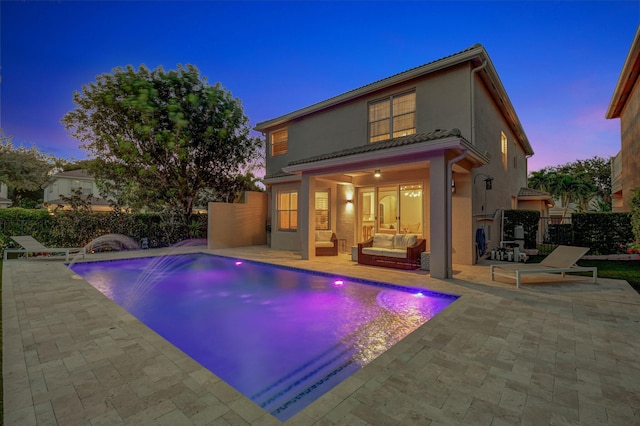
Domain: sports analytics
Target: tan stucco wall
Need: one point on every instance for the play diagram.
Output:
(283, 240)
(630, 133)
(444, 101)
(441, 104)
(506, 182)
(238, 224)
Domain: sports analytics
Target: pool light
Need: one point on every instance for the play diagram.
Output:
(338, 282)
(419, 294)
(238, 262)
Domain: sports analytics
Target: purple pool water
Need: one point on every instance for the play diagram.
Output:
(280, 336)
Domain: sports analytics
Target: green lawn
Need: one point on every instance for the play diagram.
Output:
(628, 270)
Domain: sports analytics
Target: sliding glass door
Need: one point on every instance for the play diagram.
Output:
(390, 209)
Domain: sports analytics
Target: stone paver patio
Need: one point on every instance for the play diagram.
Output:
(563, 352)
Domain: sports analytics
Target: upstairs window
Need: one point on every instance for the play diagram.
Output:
(288, 210)
(279, 142)
(503, 148)
(392, 117)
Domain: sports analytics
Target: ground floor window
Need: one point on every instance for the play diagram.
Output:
(287, 210)
(322, 210)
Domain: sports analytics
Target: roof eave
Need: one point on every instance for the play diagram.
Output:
(626, 80)
(385, 154)
(477, 51)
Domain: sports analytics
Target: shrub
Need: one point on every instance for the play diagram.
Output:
(78, 227)
(634, 209)
(604, 233)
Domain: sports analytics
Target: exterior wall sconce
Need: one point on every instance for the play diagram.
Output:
(377, 173)
(488, 182)
(453, 186)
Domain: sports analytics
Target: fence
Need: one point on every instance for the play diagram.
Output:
(553, 232)
(603, 233)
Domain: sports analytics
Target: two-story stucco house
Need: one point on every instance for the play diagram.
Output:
(434, 150)
(65, 183)
(625, 105)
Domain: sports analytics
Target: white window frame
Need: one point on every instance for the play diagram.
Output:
(278, 142)
(390, 118)
(504, 149)
(291, 212)
(320, 226)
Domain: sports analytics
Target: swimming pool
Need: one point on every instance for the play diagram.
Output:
(281, 336)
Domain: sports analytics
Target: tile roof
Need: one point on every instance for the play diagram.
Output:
(80, 173)
(530, 192)
(392, 79)
(392, 143)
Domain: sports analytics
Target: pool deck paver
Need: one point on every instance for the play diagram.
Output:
(562, 352)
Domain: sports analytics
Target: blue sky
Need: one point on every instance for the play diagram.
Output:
(558, 60)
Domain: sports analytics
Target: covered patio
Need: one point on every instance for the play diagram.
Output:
(432, 170)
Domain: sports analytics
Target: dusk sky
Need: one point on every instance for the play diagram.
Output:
(559, 61)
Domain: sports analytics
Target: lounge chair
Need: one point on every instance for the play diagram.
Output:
(31, 245)
(561, 260)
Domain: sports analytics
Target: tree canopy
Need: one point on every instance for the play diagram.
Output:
(585, 183)
(24, 171)
(160, 137)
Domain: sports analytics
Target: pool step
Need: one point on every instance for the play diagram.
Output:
(288, 395)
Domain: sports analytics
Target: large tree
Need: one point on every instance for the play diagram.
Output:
(586, 183)
(160, 137)
(24, 171)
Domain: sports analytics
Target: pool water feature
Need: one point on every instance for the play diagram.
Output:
(281, 336)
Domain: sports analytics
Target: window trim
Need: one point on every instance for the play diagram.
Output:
(290, 210)
(504, 150)
(391, 117)
(279, 144)
(328, 209)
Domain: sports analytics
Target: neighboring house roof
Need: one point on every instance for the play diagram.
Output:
(535, 194)
(627, 80)
(530, 192)
(75, 174)
(476, 54)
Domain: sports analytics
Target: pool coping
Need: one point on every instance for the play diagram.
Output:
(565, 351)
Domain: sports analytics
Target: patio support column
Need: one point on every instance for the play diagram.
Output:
(440, 218)
(306, 207)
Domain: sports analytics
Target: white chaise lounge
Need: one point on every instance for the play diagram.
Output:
(561, 260)
(30, 245)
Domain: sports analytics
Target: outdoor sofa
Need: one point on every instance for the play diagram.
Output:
(326, 243)
(400, 251)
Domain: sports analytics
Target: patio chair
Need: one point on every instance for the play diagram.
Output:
(561, 260)
(30, 245)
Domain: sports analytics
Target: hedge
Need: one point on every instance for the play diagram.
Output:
(79, 228)
(604, 233)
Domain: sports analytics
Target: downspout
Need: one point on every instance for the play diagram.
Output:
(449, 217)
(473, 100)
